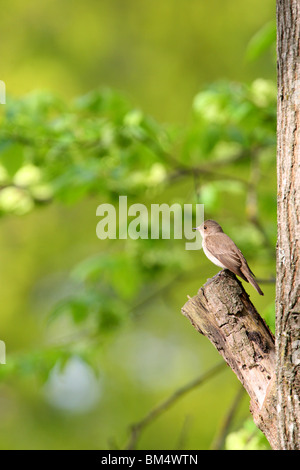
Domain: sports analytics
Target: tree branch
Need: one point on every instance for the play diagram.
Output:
(223, 312)
(138, 427)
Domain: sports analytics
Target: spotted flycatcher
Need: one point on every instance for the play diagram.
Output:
(222, 251)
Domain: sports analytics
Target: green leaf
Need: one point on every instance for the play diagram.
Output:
(117, 270)
(12, 157)
(15, 200)
(261, 41)
(249, 437)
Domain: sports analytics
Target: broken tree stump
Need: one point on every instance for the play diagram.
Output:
(222, 311)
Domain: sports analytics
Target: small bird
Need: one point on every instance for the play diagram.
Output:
(222, 251)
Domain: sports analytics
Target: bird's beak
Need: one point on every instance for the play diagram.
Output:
(194, 228)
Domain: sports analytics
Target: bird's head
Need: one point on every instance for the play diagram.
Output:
(209, 227)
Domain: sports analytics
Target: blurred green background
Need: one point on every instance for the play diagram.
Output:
(165, 102)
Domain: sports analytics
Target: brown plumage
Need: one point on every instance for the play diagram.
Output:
(222, 251)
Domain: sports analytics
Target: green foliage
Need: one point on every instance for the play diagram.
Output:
(249, 437)
(99, 147)
(95, 145)
(230, 119)
(114, 306)
(99, 144)
(263, 40)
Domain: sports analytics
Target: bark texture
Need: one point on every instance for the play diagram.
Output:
(288, 210)
(223, 312)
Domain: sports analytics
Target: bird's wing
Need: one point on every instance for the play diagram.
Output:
(225, 250)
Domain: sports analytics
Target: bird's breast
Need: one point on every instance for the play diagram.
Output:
(211, 257)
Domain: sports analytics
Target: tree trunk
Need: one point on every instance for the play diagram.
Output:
(222, 311)
(288, 210)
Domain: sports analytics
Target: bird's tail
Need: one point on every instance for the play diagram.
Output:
(250, 277)
(254, 283)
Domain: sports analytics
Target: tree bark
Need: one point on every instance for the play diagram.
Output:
(223, 312)
(288, 210)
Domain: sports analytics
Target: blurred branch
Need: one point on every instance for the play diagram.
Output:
(272, 280)
(219, 439)
(252, 205)
(259, 226)
(180, 445)
(209, 169)
(197, 171)
(155, 293)
(137, 428)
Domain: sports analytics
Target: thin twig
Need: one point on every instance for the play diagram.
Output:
(137, 428)
(209, 173)
(183, 433)
(219, 439)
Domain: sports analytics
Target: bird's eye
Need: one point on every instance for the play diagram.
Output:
(205, 227)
